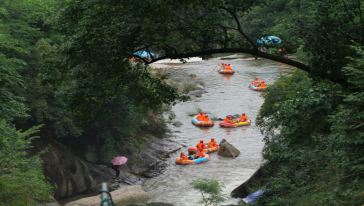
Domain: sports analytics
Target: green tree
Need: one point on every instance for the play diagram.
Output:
(22, 181)
(211, 191)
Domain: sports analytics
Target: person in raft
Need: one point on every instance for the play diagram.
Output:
(183, 156)
(212, 143)
(200, 154)
(228, 67)
(256, 81)
(200, 145)
(201, 116)
(227, 119)
(262, 84)
(206, 118)
(243, 118)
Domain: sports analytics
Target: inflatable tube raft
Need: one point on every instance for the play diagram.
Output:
(192, 162)
(198, 123)
(211, 150)
(234, 124)
(221, 71)
(256, 88)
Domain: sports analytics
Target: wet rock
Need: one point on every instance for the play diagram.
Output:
(121, 197)
(150, 161)
(71, 175)
(256, 179)
(156, 169)
(177, 124)
(227, 150)
(199, 87)
(196, 93)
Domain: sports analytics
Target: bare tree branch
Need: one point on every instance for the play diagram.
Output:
(239, 29)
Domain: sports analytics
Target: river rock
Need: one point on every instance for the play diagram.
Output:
(121, 197)
(177, 124)
(196, 93)
(150, 161)
(256, 179)
(228, 150)
(199, 87)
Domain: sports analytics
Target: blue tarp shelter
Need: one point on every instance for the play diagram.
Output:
(251, 198)
(269, 41)
(144, 54)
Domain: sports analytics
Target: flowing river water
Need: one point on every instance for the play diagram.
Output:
(225, 95)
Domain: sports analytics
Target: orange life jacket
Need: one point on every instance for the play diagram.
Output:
(262, 84)
(184, 157)
(200, 117)
(200, 153)
(200, 146)
(212, 144)
(205, 118)
(227, 120)
(243, 118)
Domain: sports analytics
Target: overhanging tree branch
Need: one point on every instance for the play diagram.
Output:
(284, 60)
(236, 50)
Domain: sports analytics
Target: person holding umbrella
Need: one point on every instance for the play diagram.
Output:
(116, 164)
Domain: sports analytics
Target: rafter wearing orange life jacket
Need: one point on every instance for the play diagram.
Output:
(227, 119)
(212, 143)
(243, 118)
(200, 145)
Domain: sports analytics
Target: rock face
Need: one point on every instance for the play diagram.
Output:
(150, 162)
(121, 197)
(70, 174)
(227, 150)
(256, 179)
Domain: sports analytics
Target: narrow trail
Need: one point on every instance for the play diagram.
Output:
(225, 95)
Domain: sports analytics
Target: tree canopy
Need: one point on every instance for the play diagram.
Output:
(65, 76)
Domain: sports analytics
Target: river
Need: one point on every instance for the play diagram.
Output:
(225, 95)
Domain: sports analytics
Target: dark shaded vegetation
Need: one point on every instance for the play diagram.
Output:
(314, 128)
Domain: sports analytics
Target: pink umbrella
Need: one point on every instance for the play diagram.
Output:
(119, 160)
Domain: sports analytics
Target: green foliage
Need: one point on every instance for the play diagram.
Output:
(314, 140)
(313, 129)
(22, 181)
(211, 191)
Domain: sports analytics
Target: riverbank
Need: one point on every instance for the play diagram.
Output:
(148, 163)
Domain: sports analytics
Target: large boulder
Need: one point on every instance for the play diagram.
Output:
(121, 197)
(227, 150)
(70, 174)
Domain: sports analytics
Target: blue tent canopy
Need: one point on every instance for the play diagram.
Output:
(253, 197)
(269, 41)
(144, 54)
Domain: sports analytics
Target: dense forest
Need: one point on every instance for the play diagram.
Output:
(65, 76)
